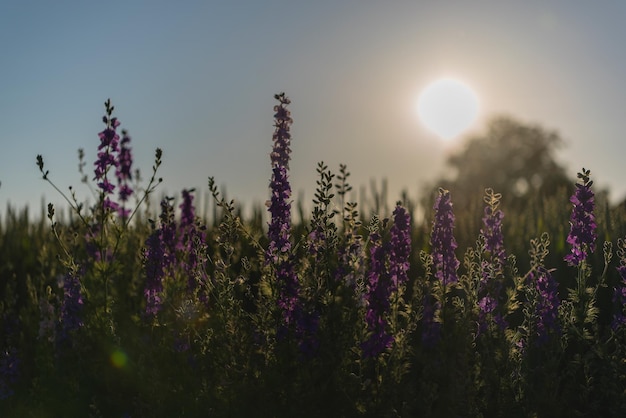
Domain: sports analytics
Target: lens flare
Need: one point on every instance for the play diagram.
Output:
(118, 359)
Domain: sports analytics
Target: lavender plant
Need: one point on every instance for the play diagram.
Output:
(182, 316)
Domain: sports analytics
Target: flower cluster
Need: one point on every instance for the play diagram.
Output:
(192, 241)
(547, 303)
(582, 235)
(389, 265)
(492, 266)
(377, 297)
(124, 174)
(400, 247)
(172, 246)
(113, 154)
(442, 240)
(72, 304)
(282, 137)
(279, 233)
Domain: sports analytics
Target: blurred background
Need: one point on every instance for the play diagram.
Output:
(197, 79)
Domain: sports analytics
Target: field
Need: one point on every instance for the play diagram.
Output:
(121, 309)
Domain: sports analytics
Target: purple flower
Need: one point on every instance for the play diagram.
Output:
(389, 265)
(107, 150)
(377, 298)
(192, 241)
(72, 304)
(492, 266)
(400, 247)
(547, 303)
(187, 209)
(154, 266)
(442, 240)
(282, 136)
(278, 252)
(582, 235)
(494, 241)
(123, 172)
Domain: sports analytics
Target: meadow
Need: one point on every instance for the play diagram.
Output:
(122, 309)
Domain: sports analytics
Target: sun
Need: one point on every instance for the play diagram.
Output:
(447, 107)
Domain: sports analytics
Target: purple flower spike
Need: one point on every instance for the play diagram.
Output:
(582, 235)
(377, 298)
(282, 136)
(547, 304)
(72, 305)
(278, 252)
(400, 246)
(442, 240)
(107, 151)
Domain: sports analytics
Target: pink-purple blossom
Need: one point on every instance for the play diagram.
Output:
(582, 235)
(442, 240)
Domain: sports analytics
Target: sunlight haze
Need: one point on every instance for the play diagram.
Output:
(197, 79)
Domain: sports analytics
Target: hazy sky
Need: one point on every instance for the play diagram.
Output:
(197, 79)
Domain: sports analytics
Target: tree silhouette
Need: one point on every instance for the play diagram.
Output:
(513, 158)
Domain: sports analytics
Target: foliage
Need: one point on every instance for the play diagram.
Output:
(114, 310)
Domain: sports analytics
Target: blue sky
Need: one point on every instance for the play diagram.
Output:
(197, 79)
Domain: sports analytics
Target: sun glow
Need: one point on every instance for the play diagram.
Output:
(447, 107)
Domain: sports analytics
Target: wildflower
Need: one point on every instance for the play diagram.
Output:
(442, 240)
(493, 265)
(72, 304)
(107, 150)
(192, 241)
(154, 265)
(187, 209)
(279, 248)
(282, 136)
(278, 251)
(582, 235)
(400, 246)
(547, 303)
(123, 173)
(377, 297)
(492, 231)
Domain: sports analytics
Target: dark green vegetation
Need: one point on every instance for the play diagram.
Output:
(218, 344)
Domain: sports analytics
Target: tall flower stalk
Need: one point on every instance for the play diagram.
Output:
(389, 265)
(278, 253)
(442, 240)
(377, 298)
(492, 267)
(582, 236)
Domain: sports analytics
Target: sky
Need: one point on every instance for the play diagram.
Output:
(197, 79)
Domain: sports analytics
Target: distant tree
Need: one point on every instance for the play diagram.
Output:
(516, 160)
(512, 158)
